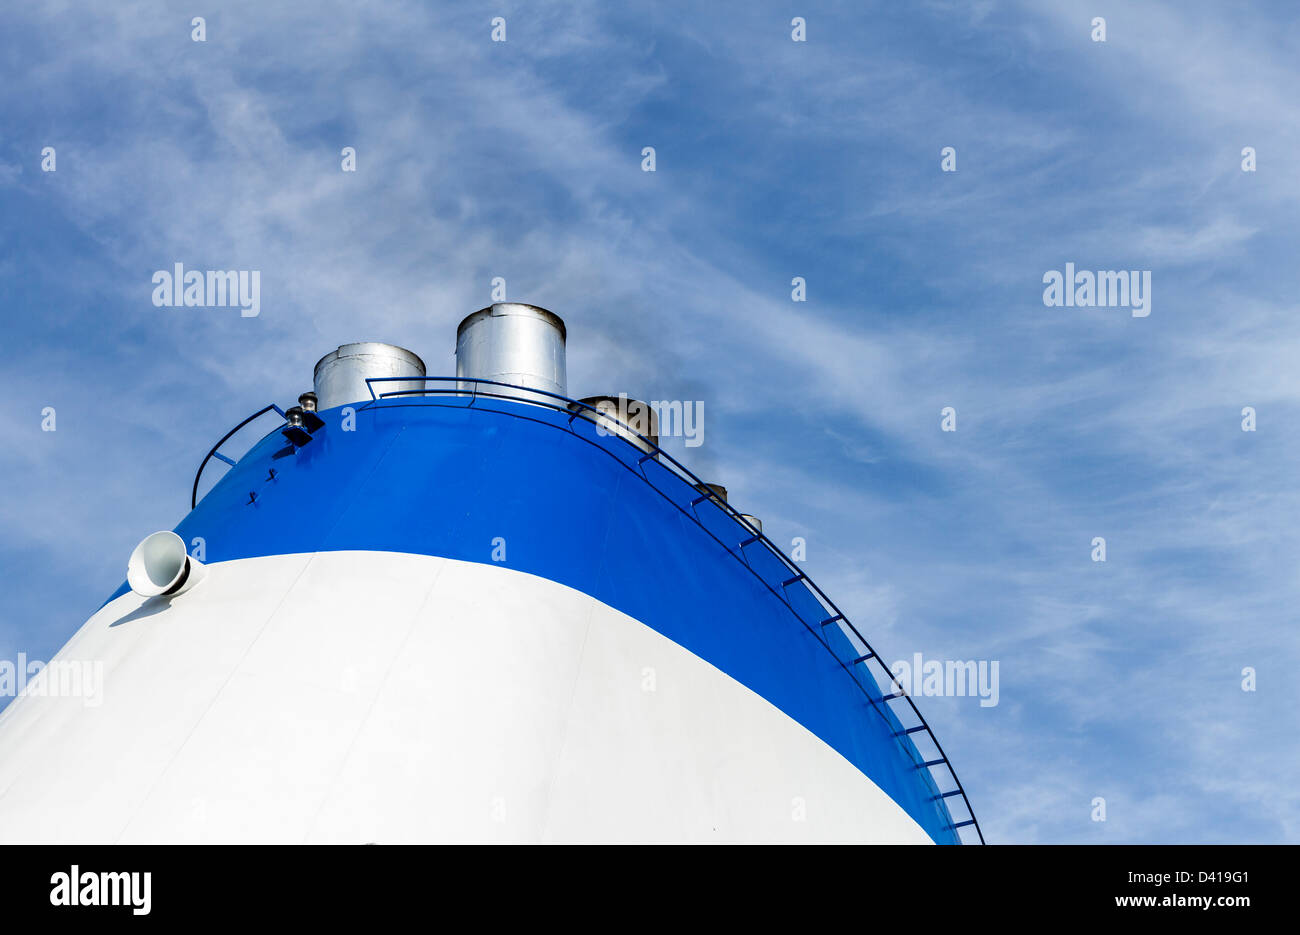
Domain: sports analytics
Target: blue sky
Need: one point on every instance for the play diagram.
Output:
(775, 159)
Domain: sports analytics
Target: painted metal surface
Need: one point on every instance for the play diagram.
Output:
(372, 696)
(451, 476)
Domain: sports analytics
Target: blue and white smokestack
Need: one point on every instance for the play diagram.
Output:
(453, 616)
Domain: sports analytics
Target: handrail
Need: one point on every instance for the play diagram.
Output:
(194, 491)
(653, 451)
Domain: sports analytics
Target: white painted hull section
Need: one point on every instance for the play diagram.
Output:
(384, 697)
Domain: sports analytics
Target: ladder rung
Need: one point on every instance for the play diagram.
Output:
(750, 541)
(913, 730)
(963, 824)
(863, 658)
(892, 696)
(789, 581)
(928, 763)
(947, 794)
(835, 619)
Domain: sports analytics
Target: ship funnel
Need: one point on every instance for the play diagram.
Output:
(510, 342)
(340, 376)
(160, 565)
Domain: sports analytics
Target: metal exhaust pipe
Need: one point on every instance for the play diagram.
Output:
(515, 343)
(340, 376)
(716, 491)
(159, 565)
(630, 419)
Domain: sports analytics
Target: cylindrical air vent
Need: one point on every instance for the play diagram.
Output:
(717, 491)
(510, 342)
(340, 376)
(627, 418)
(159, 565)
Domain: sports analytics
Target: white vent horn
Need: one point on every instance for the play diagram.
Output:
(161, 566)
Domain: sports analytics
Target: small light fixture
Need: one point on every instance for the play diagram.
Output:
(294, 429)
(310, 421)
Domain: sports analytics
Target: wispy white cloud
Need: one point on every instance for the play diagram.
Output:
(776, 159)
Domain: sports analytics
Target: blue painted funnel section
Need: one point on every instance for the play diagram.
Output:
(461, 477)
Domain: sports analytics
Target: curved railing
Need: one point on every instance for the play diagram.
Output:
(214, 453)
(471, 388)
